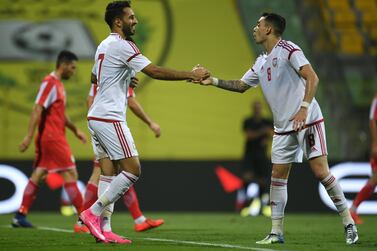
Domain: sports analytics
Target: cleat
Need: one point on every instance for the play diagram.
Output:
(272, 239)
(255, 207)
(93, 223)
(20, 220)
(67, 210)
(148, 224)
(245, 212)
(356, 217)
(114, 238)
(80, 228)
(351, 234)
(266, 211)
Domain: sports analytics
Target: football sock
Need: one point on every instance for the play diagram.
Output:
(132, 203)
(30, 193)
(365, 193)
(90, 195)
(278, 201)
(74, 195)
(337, 196)
(120, 184)
(106, 217)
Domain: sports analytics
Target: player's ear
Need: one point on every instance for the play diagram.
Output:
(268, 29)
(118, 22)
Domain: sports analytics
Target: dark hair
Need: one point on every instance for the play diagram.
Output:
(65, 57)
(115, 10)
(277, 21)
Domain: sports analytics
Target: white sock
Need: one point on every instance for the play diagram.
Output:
(278, 201)
(140, 219)
(103, 184)
(120, 184)
(106, 218)
(337, 196)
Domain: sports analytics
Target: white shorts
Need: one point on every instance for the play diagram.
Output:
(290, 147)
(112, 140)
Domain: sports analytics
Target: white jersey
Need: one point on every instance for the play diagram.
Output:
(116, 61)
(282, 86)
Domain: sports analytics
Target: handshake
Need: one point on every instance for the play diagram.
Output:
(201, 76)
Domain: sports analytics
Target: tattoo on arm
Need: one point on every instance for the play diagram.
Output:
(233, 85)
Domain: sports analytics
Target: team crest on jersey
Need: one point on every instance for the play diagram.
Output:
(274, 62)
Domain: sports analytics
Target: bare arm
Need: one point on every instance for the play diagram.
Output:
(312, 80)
(233, 85)
(138, 110)
(79, 134)
(230, 85)
(89, 99)
(162, 73)
(34, 120)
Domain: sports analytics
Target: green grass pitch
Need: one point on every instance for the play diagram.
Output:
(190, 231)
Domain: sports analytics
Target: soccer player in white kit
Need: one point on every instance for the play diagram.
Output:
(289, 83)
(115, 61)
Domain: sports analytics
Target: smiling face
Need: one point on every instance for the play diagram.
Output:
(128, 22)
(261, 30)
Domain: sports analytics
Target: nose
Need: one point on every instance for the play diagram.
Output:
(254, 29)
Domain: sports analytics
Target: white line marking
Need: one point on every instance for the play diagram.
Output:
(194, 243)
(209, 244)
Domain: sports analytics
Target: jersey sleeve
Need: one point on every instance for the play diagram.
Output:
(373, 110)
(250, 78)
(297, 59)
(92, 90)
(47, 94)
(132, 56)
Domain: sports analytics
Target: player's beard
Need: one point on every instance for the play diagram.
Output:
(128, 31)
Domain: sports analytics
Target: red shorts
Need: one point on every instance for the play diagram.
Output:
(373, 164)
(53, 156)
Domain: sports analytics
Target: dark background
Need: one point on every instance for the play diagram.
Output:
(182, 186)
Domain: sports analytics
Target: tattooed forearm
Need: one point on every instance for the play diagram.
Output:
(233, 85)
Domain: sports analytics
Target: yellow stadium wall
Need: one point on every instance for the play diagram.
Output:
(197, 122)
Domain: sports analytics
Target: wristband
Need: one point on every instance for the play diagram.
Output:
(305, 104)
(215, 81)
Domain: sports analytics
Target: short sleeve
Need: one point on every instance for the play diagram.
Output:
(132, 56)
(250, 78)
(47, 94)
(93, 90)
(94, 68)
(297, 59)
(373, 110)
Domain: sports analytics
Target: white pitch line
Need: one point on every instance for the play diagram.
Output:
(194, 243)
(209, 244)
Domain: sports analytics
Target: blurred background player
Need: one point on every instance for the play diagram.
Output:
(130, 198)
(256, 165)
(52, 152)
(367, 191)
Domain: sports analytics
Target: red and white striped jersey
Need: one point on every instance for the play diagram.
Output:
(373, 109)
(51, 95)
(282, 86)
(116, 62)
